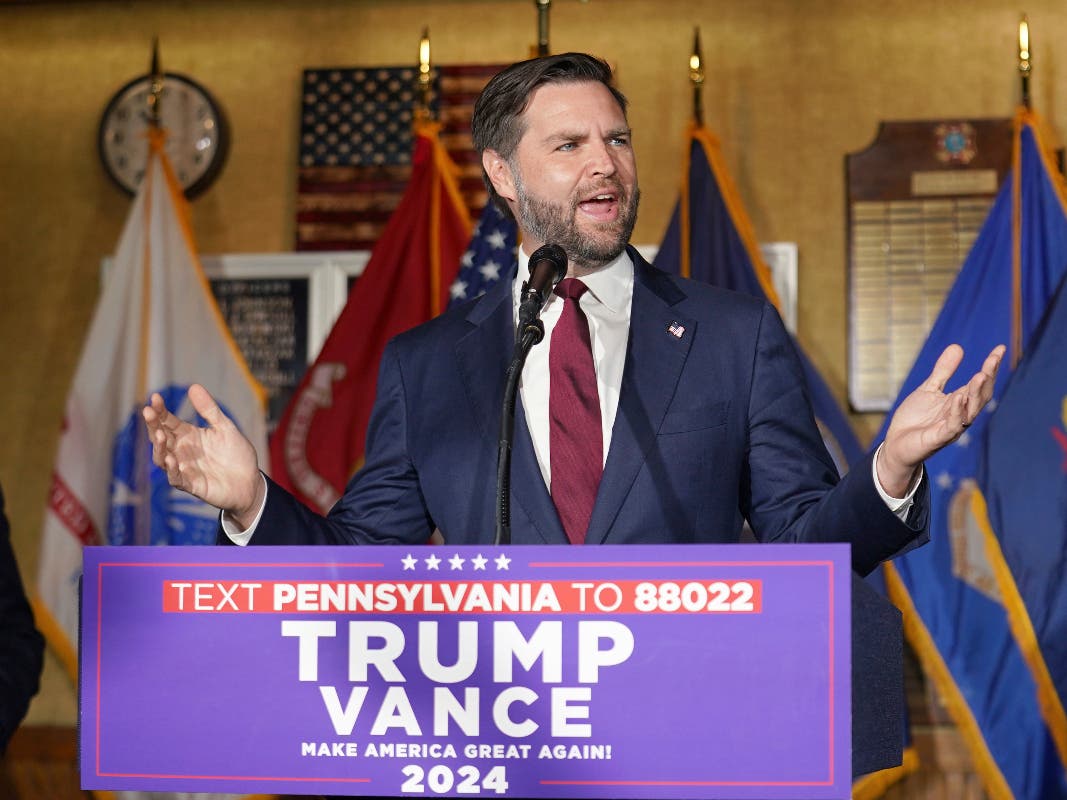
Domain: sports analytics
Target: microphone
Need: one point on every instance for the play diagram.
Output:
(548, 265)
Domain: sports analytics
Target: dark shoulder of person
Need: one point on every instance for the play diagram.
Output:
(21, 645)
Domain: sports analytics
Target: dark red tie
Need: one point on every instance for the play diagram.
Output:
(576, 442)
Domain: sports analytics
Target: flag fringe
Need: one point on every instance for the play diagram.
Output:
(873, 786)
(56, 639)
(1022, 628)
(444, 178)
(734, 207)
(936, 670)
(181, 211)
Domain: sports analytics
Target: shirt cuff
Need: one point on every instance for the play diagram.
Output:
(241, 538)
(900, 506)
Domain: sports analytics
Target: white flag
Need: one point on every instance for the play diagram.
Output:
(156, 328)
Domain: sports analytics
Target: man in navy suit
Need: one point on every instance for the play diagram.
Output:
(699, 399)
(688, 416)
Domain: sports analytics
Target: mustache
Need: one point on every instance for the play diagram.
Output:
(611, 185)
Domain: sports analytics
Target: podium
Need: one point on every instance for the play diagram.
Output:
(674, 671)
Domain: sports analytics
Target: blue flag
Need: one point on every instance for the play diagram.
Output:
(490, 256)
(710, 239)
(954, 611)
(1023, 477)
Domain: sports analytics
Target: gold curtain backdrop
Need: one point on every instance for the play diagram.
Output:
(791, 88)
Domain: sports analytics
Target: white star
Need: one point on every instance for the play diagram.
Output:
(479, 561)
(409, 561)
(490, 270)
(122, 494)
(468, 258)
(991, 406)
(965, 439)
(944, 480)
(456, 561)
(496, 240)
(502, 561)
(432, 562)
(459, 289)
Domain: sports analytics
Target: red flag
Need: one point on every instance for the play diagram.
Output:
(319, 442)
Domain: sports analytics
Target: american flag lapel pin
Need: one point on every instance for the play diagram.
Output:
(676, 329)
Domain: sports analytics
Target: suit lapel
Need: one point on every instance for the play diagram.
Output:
(482, 357)
(656, 354)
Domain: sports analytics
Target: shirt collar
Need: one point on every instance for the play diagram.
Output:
(612, 284)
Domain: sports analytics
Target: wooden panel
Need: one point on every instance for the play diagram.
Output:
(917, 198)
(41, 762)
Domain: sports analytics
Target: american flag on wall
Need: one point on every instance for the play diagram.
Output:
(356, 142)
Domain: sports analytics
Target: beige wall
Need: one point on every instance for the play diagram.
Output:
(793, 85)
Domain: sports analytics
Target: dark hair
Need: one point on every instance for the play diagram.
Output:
(497, 120)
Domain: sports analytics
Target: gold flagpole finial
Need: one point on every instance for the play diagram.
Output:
(542, 26)
(1024, 59)
(425, 84)
(155, 91)
(696, 78)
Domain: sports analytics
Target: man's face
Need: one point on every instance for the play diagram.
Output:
(572, 180)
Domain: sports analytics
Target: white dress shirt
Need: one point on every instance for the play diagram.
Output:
(607, 307)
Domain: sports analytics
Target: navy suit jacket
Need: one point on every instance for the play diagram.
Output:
(714, 427)
(21, 646)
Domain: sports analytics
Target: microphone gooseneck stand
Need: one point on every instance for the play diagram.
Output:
(548, 265)
(533, 333)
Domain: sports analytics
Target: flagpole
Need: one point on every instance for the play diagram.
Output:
(542, 26)
(155, 91)
(154, 101)
(696, 78)
(425, 79)
(1024, 60)
(1025, 68)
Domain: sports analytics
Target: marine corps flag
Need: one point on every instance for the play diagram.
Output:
(319, 441)
(954, 608)
(156, 328)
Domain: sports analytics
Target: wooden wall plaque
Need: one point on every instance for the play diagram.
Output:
(916, 200)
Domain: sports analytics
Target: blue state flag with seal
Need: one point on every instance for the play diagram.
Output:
(1023, 507)
(954, 610)
(156, 328)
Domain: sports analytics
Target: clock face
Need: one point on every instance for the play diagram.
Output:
(197, 136)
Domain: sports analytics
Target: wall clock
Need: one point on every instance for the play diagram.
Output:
(197, 141)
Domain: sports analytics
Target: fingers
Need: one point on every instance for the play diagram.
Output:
(946, 366)
(155, 415)
(979, 389)
(206, 406)
(991, 365)
(956, 419)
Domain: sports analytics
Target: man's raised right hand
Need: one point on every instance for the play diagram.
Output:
(217, 463)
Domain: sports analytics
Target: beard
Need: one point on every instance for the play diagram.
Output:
(547, 221)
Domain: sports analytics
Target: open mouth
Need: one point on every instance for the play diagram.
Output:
(603, 206)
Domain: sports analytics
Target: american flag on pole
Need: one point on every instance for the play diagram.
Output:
(356, 147)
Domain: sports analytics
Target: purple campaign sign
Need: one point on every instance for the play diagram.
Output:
(683, 671)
